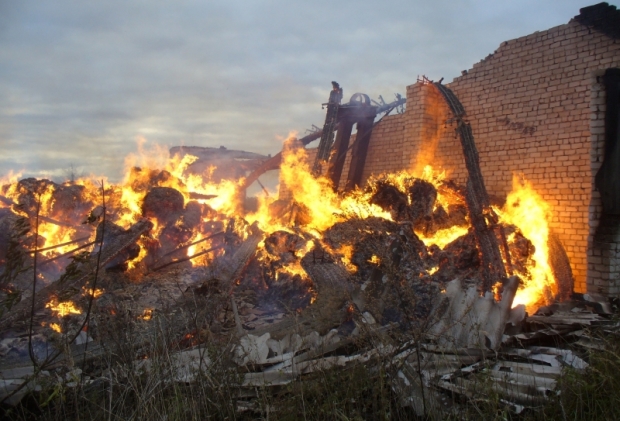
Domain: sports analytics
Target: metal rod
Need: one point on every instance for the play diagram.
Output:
(262, 187)
(185, 259)
(67, 253)
(193, 244)
(200, 196)
(60, 245)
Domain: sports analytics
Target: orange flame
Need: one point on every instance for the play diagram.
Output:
(62, 309)
(529, 212)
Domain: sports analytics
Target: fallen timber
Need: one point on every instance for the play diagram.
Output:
(480, 212)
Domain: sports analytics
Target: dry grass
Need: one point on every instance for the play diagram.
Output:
(359, 392)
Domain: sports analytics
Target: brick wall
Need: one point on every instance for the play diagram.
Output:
(535, 108)
(530, 105)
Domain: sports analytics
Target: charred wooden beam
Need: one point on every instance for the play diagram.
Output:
(185, 247)
(357, 110)
(327, 135)
(480, 212)
(359, 153)
(338, 155)
(200, 196)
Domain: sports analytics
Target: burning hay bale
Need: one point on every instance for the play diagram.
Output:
(163, 204)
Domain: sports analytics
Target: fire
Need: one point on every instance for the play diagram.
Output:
(292, 269)
(96, 293)
(132, 264)
(375, 260)
(529, 212)
(55, 327)
(316, 206)
(325, 207)
(345, 252)
(444, 237)
(10, 178)
(62, 309)
(314, 193)
(51, 233)
(147, 314)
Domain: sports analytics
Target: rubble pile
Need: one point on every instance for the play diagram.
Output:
(413, 274)
(290, 297)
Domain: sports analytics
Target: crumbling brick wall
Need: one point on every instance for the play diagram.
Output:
(531, 109)
(535, 109)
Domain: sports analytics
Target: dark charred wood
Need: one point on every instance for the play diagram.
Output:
(231, 266)
(493, 267)
(359, 149)
(185, 247)
(69, 253)
(477, 198)
(60, 245)
(339, 152)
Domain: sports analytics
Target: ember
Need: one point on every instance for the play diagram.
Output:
(62, 309)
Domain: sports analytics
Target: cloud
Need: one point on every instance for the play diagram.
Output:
(81, 80)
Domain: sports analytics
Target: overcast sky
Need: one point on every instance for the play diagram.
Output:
(80, 81)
